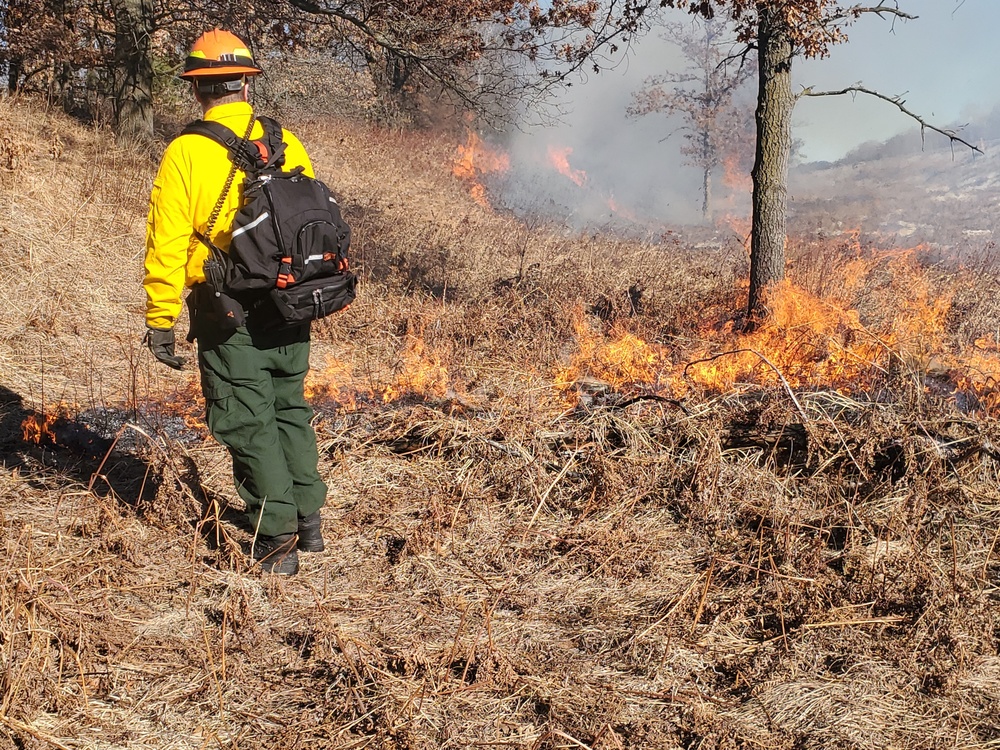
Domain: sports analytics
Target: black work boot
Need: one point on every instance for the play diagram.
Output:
(276, 554)
(310, 533)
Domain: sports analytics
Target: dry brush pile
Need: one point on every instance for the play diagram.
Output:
(571, 505)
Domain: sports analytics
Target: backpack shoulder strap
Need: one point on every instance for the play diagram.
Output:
(270, 125)
(239, 156)
(227, 138)
(273, 141)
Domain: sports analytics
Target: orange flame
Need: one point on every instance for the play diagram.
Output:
(623, 360)
(419, 373)
(806, 342)
(474, 160)
(38, 429)
(735, 176)
(188, 404)
(740, 226)
(559, 158)
(332, 383)
(978, 374)
(617, 208)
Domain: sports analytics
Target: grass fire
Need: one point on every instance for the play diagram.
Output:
(575, 501)
(37, 429)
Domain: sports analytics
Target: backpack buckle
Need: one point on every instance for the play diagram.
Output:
(285, 274)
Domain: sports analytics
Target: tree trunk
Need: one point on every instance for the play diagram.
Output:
(13, 74)
(706, 193)
(707, 158)
(770, 170)
(133, 68)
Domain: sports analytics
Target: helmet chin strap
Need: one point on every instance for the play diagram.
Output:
(220, 88)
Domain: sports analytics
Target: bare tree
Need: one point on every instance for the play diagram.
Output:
(780, 31)
(134, 23)
(479, 55)
(52, 45)
(40, 47)
(702, 95)
(486, 55)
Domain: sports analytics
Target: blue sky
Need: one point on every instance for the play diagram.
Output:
(945, 63)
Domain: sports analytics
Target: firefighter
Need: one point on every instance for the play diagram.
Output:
(252, 376)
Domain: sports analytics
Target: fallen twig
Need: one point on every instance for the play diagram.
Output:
(29, 730)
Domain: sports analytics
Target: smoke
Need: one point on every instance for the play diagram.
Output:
(620, 171)
(636, 175)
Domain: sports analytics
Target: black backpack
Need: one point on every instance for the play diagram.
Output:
(289, 240)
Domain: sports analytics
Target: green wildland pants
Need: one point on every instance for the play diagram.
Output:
(255, 406)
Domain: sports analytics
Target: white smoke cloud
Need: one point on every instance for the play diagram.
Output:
(935, 61)
(631, 164)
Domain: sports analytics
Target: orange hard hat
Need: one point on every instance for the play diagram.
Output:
(218, 53)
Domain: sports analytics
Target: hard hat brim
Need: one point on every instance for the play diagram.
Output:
(218, 72)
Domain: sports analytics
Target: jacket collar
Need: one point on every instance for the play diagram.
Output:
(230, 111)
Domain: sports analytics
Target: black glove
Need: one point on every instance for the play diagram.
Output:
(161, 344)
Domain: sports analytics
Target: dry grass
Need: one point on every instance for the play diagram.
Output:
(620, 564)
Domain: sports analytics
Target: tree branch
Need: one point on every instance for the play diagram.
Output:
(420, 60)
(880, 10)
(901, 105)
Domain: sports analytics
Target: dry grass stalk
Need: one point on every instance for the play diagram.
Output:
(622, 562)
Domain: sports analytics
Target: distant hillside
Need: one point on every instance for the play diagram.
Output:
(920, 189)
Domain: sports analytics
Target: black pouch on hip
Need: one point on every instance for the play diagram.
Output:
(213, 312)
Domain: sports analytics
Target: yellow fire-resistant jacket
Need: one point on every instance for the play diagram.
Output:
(190, 180)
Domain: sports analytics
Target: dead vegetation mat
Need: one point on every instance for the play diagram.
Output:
(510, 563)
(619, 576)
